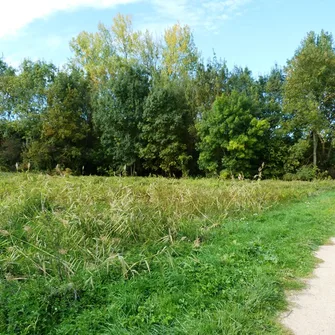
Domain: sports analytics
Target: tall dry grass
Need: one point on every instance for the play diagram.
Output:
(53, 226)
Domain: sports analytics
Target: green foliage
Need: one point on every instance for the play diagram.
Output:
(240, 80)
(7, 78)
(209, 84)
(118, 114)
(131, 104)
(225, 174)
(307, 173)
(231, 135)
(309, 92)
(66, 124)
(10, 146)
(179, 54)
(164, 131)
(29, 91)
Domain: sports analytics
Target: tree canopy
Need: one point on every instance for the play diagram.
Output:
(131, 103)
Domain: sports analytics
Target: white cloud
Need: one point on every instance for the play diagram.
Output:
(16, 14)
(204, 14)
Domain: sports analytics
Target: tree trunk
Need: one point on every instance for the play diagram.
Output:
(315, 147)
(329, 153)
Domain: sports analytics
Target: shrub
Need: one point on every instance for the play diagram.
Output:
(225, 174)
(324, 175)
(307, 173)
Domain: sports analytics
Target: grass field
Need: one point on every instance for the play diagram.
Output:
(93, 255)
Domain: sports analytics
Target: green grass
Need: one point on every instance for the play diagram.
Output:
(94, 255)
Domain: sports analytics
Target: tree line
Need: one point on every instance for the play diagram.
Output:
(130, 103)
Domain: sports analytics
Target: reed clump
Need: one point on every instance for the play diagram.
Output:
(55, 226)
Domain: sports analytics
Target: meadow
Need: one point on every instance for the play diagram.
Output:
(97, 255)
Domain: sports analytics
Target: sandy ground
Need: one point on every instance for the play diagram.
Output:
(312, 310)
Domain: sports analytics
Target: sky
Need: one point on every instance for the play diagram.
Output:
(253, 33)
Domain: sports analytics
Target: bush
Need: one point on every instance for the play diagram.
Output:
(225, 174)
(324, 175)
(307, 173)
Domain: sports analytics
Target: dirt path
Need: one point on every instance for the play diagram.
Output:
(313, 309)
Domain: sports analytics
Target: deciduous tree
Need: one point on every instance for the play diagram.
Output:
(310, 92)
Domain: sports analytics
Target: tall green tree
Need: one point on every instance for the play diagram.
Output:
(278, 141)
(241, 80)
(23, 101)
(66, 135)
(165, 131)
(10, 145)
(118, 114)
(10, 139)
(28, 92)
(310, 93)
(7, 82)
(209, 83)
(232, 135)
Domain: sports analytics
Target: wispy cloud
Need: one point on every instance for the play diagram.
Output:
(16, 14)
(207, 14)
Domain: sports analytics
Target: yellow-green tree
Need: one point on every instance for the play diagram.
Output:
(179, 55)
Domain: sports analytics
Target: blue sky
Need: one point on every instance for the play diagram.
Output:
(253, 33)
